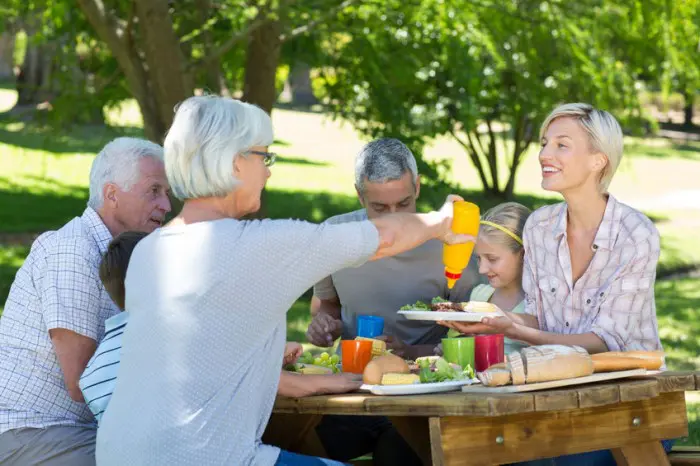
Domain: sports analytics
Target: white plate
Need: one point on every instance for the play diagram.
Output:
(457, 316)
(418, 388)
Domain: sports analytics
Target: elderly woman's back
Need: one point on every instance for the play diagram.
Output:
(208, 306)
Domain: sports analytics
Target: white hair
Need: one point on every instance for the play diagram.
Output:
(118, 163)
(604, 134)
(208, 132)
(383, 160)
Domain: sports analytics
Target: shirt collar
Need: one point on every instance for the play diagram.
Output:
(97, 228)
(607, 231)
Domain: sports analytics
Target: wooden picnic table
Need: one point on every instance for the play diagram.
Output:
(629, 417)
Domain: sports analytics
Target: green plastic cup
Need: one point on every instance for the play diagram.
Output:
(459, 351)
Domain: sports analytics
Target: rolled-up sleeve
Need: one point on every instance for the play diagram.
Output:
(71, 289)
(627, 312)
(325, 289)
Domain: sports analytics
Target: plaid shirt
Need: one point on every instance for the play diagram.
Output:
(614, 298)
(58, 286)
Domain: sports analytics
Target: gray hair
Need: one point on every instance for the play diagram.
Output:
(118, 163)
(208, 132)
(383, 160)
(604, 134)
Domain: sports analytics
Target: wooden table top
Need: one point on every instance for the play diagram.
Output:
(480, 404)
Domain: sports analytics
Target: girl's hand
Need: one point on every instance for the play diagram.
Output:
(488, 325)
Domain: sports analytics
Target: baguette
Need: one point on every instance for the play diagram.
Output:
(545, 363)
(516, 367)
(627, 360)
(494, 376)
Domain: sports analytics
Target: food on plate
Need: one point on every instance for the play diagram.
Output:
(421, 306)
(494, 376)
(399, 379)
(308, 369)
(385, 364)
(441, 305)
(627, 360)
(329, 361)
(555, 362)
(442, 371)
(514, 362)
(543, 363)
(378, 346)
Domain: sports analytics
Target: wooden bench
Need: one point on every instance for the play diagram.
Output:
(685, 456)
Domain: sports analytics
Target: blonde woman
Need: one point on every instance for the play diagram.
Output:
(590, 262)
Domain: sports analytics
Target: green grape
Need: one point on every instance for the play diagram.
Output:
(307, 356)
(325, 356)
(318, 362)
(335, 359)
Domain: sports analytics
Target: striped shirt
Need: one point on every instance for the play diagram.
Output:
(58, 286)
(614, 298)
(100, 375)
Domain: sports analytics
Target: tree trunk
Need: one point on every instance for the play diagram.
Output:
(7, 55)
(300, 85)
(688, 108)
(262, 59)
(34, 84)
(170, 80)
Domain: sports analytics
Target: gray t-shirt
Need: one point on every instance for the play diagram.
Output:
(202, 353)
(381, 287)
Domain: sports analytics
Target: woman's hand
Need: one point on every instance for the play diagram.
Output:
(292, 352)
(488, 325)
(447, 213)
(338, 383)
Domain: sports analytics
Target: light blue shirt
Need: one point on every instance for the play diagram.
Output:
(100, 375)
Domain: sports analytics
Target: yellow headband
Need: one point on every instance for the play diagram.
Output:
(504, 230)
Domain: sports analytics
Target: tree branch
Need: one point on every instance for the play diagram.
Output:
(308, 26)
(233, 40)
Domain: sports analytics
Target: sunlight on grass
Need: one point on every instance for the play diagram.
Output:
(692, 400)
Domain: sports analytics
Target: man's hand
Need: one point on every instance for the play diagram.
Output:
(397, 346)
(292, 352)
(73, 351)
(324, 330)
(338, 383)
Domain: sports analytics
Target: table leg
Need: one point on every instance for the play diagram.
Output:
(295, 433)
(641, 454)
(414, 430)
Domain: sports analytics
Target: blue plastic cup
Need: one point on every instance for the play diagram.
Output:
(370, 326)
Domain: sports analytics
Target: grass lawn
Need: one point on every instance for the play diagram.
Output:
(43, 183)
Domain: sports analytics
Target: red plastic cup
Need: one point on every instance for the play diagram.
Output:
(356, 355)
(488, 350)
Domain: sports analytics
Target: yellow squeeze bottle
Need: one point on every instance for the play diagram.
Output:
(456, 256)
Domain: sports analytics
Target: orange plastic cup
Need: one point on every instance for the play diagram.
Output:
(356, 355)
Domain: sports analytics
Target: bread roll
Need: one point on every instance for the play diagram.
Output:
(516, 368)
(555, 362)
(494, 376)
(627, 360)
(381, 365)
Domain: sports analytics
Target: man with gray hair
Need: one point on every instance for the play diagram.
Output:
(57, 306)
(387, 181)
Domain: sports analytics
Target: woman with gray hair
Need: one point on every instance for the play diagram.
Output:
(208, 295)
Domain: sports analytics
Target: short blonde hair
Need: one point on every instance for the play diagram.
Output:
(509, 215)
(208, 132)
(604, 134)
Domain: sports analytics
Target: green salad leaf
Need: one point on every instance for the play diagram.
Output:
(443, 372)
(417, 306)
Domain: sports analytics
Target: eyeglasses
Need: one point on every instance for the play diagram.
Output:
(268, 157)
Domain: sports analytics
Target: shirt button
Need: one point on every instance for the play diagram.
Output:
(588, 301)
(567, 324)
(595, 247)
(601, 295)
(553, 290)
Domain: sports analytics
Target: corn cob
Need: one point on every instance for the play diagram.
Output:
(399, 379)
(378, 346)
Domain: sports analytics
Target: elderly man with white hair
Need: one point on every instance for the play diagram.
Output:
(56, 309)
(208, 296)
